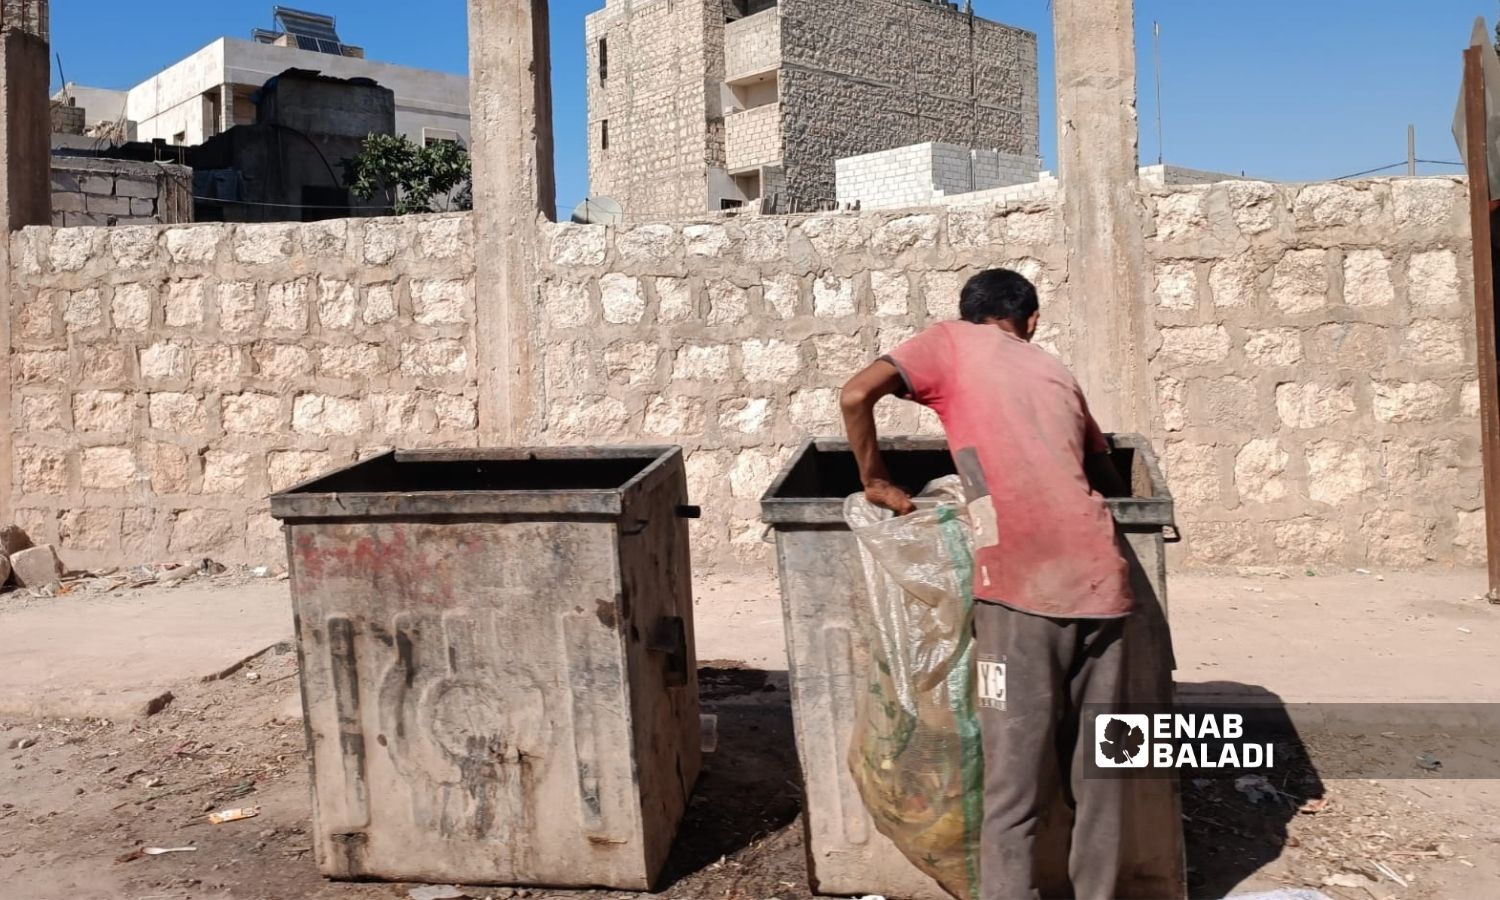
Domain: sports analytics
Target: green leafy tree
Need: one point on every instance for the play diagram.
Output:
(434, 178)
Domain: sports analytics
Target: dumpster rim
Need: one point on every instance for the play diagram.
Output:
(600, 504)
(784, 512)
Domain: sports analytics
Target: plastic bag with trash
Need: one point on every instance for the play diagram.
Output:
(916, 755)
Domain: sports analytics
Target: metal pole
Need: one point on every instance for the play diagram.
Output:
(1411, 150)
(1484, 300)
(1161, 155)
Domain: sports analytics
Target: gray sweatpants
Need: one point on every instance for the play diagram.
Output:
(1052, 667)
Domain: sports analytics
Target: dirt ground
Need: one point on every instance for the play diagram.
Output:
(87, 795)
(83, 797)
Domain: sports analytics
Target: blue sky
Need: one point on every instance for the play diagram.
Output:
(1283, 89)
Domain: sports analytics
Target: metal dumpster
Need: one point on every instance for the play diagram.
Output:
(823, 598)
(498, 668)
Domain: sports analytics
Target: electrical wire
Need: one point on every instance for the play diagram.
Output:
(1403, 163)
(267, 205)
(1372, 171)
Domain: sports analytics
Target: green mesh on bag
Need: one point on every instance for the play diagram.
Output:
(916, 755)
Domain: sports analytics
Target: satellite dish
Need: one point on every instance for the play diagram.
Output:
(598, 211)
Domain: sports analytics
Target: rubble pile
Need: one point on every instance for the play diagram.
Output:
(39, 570)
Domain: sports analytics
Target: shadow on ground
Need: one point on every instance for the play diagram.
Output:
(750, 790)
(1235, 830)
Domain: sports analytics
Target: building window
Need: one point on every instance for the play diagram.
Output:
(432, 136)
(604, 135)
(603, 58)
(751, 7)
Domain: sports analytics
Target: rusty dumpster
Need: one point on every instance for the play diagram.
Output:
(497, 664)
(823, 600)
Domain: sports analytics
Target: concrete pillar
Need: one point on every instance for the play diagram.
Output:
(510, 99)
(1098, 165)
(26, 111)
(226, 108)
(25, 160)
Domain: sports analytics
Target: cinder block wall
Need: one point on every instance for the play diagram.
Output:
(119, 192)
(1312, 359)
(922, 174)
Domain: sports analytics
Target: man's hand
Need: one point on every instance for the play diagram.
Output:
(888, 496)
(858, 399)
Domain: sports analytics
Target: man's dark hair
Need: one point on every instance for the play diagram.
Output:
(998, 295)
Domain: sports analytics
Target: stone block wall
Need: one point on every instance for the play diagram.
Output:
(88, 191)
(165, 381)
(662, 102)
(1311, 360)
(733, 338)
(1314, 369)
(866, 75)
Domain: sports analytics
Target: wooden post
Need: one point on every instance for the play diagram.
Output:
(1476, 116)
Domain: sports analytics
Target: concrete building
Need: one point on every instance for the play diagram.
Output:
(702, 105)
(211, 91)
(289, 164)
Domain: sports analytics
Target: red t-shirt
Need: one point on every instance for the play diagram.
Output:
(1019, 428)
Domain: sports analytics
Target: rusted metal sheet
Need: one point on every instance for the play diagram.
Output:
(486, 699)
(823, 600)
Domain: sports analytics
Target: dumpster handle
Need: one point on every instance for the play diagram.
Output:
(670, 639)
(685, 511)
(1170, 534)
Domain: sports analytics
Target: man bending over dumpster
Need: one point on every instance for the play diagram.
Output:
(1052, 586)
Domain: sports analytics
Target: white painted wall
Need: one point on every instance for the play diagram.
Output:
(172, 102)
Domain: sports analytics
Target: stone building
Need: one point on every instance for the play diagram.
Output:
(702, 105)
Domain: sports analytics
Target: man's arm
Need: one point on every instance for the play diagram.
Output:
(879, 379)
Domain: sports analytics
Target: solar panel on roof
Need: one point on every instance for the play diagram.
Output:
(312, 31)
(306, 24)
